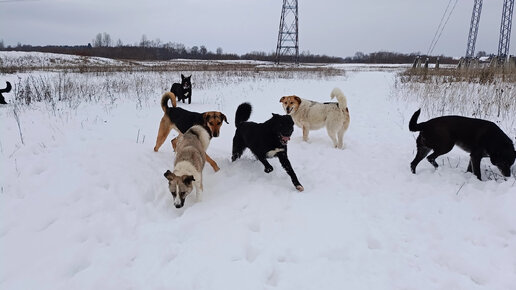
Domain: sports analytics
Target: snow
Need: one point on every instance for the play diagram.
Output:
(50, 60)
(84, 204)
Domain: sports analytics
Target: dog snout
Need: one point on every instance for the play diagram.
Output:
(178, 203)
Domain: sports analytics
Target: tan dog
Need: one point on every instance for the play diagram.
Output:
(188, 164)
(181, 120)
(310, 115)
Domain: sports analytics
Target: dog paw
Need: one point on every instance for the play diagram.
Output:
(268, 169)
(300, 188)
(216, 168)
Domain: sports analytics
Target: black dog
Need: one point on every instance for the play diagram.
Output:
(480, 138)
(265, 140)
(183, 90)
(6, 90)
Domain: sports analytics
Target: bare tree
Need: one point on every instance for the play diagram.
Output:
(106, 40)
(156, 43)
(97, 41)
(203, 50)
(144, 42)
(194, 50)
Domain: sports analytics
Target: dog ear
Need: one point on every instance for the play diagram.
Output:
(169, 175)
(281, 100)
(182, 76)
(187, 179)
(298, 99)
(205, 117)
(274, 115)
(224, 118)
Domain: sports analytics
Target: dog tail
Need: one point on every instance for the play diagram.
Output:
(413, 125)
(164, 100)
(243, 113)
(7, 89)
(337, 93)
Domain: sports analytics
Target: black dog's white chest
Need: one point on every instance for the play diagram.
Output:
(273, 152)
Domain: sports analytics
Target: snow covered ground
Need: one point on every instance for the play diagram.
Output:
(84, 204)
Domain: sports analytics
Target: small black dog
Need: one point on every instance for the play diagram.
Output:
(480, 138)
(183, 90)
(6, 90)
(266, 140)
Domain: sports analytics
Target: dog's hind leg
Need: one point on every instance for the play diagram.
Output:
(164, 129)
(332, 132)
(431, 158)
(469, 166)
(422, 151)
(340, 135)
(238, 147)
(2, 100)
(212, 163)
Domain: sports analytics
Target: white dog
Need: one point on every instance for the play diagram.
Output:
(310, 115)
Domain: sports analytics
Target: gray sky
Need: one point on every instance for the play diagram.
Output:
(331, 27)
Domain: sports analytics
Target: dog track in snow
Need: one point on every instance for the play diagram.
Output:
(273, 278)
(254, 226)
(251, 253)
(79, 266)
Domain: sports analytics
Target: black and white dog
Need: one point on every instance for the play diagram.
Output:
(183, 90)
(6, 90)
(479, 137)
(265, 140)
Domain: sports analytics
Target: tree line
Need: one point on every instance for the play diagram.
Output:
(104, 46)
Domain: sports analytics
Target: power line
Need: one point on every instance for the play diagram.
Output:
(441, 26)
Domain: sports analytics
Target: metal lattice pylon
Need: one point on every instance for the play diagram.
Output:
(473, 29)
(505, 30)
(288, 38)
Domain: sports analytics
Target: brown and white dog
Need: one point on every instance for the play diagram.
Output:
(188, 164)
(181, 120)
(311, 115)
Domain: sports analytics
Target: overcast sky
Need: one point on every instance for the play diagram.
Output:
(331, 27)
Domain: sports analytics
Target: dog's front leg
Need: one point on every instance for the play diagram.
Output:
(268, 166)
(305, 133)
(283, 158)
(198, 190)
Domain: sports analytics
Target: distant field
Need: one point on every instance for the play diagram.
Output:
(13, 62)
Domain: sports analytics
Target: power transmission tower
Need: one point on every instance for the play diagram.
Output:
(288, 40)
(473, 29)
(505, 30)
